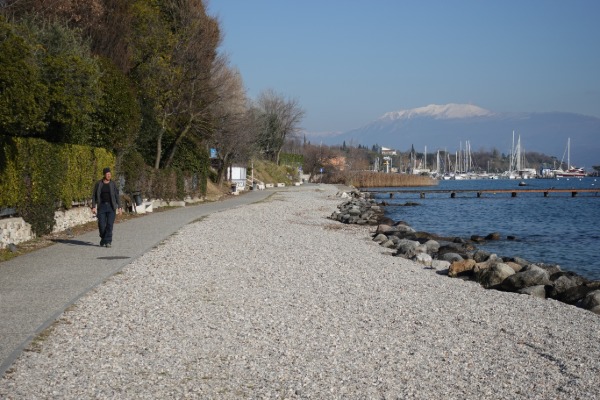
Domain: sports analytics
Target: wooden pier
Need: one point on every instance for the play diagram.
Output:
(480, 193)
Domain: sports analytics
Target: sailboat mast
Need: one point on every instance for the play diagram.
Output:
(512, 153)
(568, 153)
(460, 158)
(518, 155)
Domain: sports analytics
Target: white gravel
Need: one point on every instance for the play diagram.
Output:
(274, 301)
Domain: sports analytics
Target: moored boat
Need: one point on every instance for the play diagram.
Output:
(571, 172)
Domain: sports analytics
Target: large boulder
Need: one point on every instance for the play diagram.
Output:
(493, 236)
(405, 245)
(457, 248)
(481, 255)
(432, 246)
(477, 238)
(385, 229)
(421, 248)
(551, 269)
(354, 211)
(480, 266)
(380, 238)
(401, 230)
(463, 267)
(518, 260)
(423, 258)
(493, 259)
(516, 267)
(592, 301)
(450, 257)
(463, 249)
(531, 275)
(388, 244)
(494, 275)
(562, 282)
(424, 236)
(574, 294)
(535, 291)
(440, 265)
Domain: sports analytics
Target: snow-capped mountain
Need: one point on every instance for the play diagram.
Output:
(445, 126)
(446, 111)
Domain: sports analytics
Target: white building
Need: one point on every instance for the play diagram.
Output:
(237, 176)
(388, 152)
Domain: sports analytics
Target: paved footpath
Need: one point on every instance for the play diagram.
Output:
(36, 288)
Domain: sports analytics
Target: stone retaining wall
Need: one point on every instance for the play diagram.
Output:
(73, 217)
(16, 230)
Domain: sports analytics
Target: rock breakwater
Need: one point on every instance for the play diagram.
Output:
(460, 258)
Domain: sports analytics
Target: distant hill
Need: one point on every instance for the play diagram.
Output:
(445, 126)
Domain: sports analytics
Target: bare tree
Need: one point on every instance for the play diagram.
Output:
(357, 159)
(235, 132)
(279, 119)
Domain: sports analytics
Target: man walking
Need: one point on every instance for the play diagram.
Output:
(105, 205)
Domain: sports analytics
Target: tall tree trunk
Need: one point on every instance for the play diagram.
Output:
(277, 156)
(159, 143)
(175, 145)
(223, 165)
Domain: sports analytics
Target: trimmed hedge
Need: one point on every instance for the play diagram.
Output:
(36, 177)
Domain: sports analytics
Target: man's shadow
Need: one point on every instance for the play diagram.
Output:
(73, 242)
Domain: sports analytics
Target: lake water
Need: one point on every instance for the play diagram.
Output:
(556, 229)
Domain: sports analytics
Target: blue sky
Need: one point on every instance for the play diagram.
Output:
(348, 62)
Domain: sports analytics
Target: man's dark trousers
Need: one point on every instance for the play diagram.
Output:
(106, 220)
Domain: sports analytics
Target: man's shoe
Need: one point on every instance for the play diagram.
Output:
(102, 244)
(108, 244)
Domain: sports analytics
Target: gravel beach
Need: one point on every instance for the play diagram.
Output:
(275, 301)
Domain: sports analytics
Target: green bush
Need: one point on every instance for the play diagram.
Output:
(137, 174)
(193, 160)
(166, 184)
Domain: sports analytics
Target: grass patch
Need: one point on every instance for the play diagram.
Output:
(268, 199)
(200, 219)
(333, 227)
(37, 343)
(269, 172)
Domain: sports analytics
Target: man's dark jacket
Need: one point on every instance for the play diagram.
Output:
(115, 202)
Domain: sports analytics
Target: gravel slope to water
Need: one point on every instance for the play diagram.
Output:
(273, 300)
